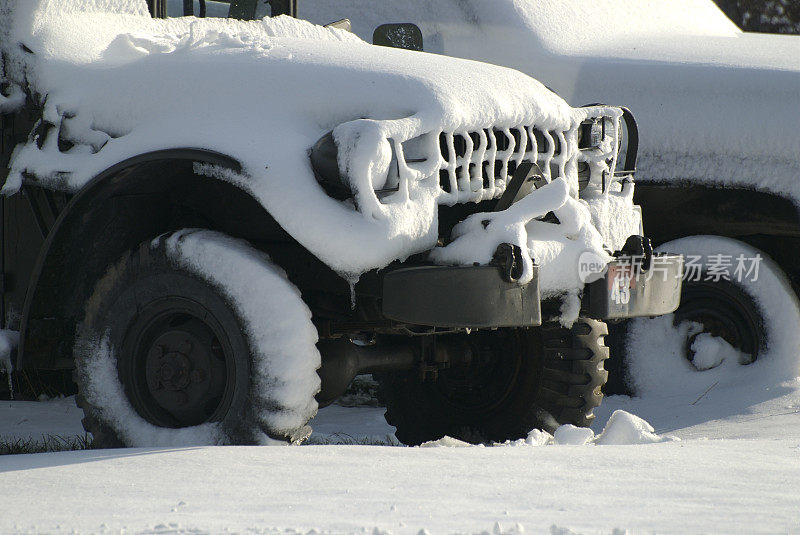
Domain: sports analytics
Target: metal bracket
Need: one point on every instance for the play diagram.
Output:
(638, 247)
(508, 257)
(525, 178)
(428, 368)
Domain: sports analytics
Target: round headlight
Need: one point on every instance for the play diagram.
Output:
(325, 163)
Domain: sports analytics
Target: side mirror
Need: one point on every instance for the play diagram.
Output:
(405, 35)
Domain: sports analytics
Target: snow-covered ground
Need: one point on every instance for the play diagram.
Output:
(722, 456)
(736, 469)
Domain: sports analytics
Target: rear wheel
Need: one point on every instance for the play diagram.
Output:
(723, 310)
(518, 380)
(737, 308)
(166, 352)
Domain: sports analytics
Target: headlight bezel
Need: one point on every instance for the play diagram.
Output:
(324, 156)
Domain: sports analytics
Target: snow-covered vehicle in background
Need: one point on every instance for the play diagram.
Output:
(720, 161)
(200, 213)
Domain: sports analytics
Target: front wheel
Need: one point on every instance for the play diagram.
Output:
(195, 338)
(518, 380)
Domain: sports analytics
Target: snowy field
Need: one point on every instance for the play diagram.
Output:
(695, 452)
(735, 469)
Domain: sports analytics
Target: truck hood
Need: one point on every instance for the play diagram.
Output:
(740, 50)
(298, 70)
(714, 104)
(117, 85)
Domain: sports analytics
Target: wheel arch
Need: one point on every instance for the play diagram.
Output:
(132, 201)
(768, 221)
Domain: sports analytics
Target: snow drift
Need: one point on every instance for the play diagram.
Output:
(622, 428)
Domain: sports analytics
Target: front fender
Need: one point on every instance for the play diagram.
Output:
(129, 202)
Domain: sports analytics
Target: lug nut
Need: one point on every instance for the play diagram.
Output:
(181, 398)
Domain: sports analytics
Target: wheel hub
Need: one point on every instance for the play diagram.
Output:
(177, 361)
(180, 374)
(174, 371)
(488, 376)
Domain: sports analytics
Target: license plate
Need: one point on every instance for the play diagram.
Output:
(621, 280)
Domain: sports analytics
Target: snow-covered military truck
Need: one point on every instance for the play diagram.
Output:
(720, 162)
(218, 223)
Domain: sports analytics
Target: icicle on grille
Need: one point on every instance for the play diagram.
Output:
(476, 166)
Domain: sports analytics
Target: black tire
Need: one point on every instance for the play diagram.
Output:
(725, 310)
(164, 357)
(532, 378)
(755, 312)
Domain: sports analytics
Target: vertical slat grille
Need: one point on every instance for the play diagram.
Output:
(476, 166)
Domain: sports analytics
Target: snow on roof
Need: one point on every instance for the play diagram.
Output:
(581, 25)
(81, 30)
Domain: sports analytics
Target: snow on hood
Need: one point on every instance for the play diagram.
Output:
(740, 50)
(121, 84)
(356, 79)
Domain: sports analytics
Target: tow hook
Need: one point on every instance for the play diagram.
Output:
(638, 247)
(508, 257)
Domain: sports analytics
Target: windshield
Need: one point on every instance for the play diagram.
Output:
(240, 9)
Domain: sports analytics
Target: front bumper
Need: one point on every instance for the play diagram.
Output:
(473, 297)
(481, 297)
(631, 288)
